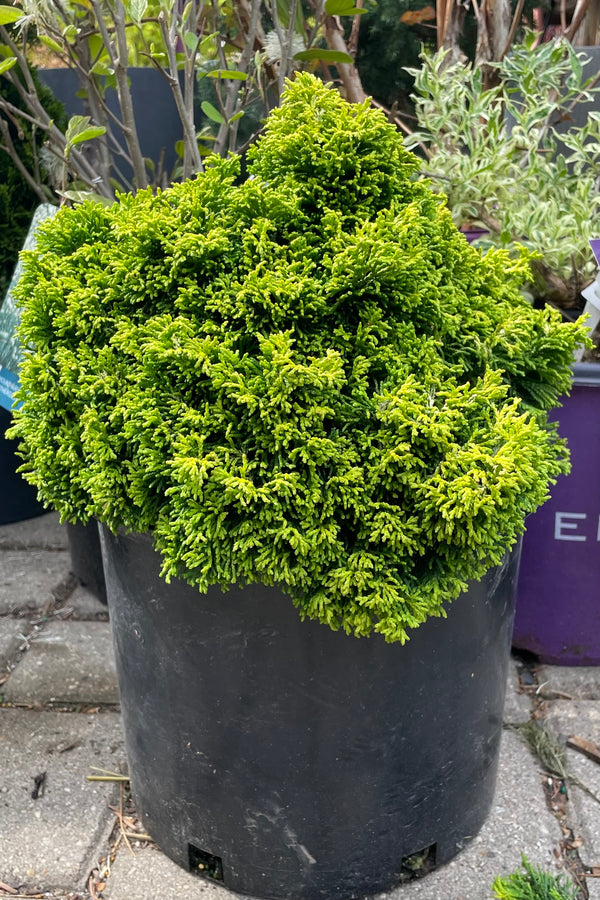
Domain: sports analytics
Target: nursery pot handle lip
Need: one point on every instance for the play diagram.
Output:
(586, 373)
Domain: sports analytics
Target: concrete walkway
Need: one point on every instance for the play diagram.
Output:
(60, 723)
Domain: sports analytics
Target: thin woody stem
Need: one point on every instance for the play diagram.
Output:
(186, 119)
(348, 72)
(12, 152)
(125, 99)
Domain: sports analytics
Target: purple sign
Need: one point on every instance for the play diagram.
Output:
(558, 597)
(595, 245)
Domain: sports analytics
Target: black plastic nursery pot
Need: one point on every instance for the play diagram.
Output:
(18, 499)
(86, 557)
(284, 760)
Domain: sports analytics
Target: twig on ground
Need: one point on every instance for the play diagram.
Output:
(119, 778)
(588, 748)
(119, 813)
(107, 775)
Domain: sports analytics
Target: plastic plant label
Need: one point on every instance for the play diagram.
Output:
(591, 295)
(10, 348)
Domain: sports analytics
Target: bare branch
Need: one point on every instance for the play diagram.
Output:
(125, 99)
(320, 9)
(228, 130)
(13, 153)
(578, 16)
(191, 144)
(282, 42)
(513, 28)
(353, 39)
(334, 35)
(37, 115)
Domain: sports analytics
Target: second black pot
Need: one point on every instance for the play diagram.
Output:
(86, 557)
(18, 499)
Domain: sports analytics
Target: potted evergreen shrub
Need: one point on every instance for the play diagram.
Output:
(531, 177)
(299, 389)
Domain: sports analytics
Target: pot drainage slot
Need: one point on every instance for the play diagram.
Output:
(418, 864)
(205, 864)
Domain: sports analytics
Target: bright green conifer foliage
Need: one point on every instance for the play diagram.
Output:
(532, 883)
(307, 379)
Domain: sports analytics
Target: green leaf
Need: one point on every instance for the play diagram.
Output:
(8, 15)
(50, 43)
(212, 112)
(228, 74)
(157, 54)
(89, 133)
(136, 9)
(99, 68)
(342, 8)
(334, 56)
(84, 196)
(7, 64)
(191, 41)
(186, 12)
(283, 8)
(79, 129)
(205, 45)
(70, 33)
(236, 116)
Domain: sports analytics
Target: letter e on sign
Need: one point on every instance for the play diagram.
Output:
(565, 524)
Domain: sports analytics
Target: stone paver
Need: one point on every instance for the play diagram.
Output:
(577, 682)
(42, 533)
(29, 578)
(11, 638)
(565, 718)
(71, 662)
(85, 605)
(151, 875)
(519, 822)
(50, 843)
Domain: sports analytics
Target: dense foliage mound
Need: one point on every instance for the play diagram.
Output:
(306, 379)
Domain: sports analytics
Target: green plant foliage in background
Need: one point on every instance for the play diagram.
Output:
(511, 159)
(306, 379)
(532, 883)
(17, 199)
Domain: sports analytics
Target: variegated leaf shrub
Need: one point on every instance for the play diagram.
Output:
(305, 378)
